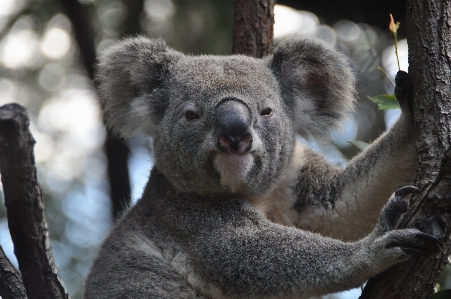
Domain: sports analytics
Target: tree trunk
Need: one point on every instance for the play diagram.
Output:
(429, 39)
(253, 27)
(25, 208)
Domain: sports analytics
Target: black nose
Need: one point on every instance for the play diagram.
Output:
(232, 123)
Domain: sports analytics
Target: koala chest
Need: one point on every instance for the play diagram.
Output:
(278, 204)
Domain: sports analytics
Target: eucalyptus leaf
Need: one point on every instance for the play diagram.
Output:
(385, 101)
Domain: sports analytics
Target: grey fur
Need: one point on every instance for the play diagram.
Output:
(269, 221)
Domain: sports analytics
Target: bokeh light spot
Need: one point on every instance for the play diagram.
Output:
(289, 21)
(51, 76)
(347, 31)
(56, 43)
(19, 49)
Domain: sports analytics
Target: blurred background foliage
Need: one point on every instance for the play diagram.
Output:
(42, 66)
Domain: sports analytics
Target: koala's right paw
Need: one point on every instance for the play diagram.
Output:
(389, 245)
(404, 92)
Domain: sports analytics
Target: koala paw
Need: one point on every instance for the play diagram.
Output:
(394, 209)
(404, 91)
(389, 245)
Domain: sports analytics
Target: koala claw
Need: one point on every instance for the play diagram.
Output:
(430, 239)
(396, 207)
(393, 210)
(406, 191)
(423, 240)
(409, 241)
(426, 239)
(411, 250)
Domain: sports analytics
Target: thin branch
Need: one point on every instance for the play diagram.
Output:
(25, 208)
(83, 32)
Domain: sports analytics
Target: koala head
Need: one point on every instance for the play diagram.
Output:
(223, 124)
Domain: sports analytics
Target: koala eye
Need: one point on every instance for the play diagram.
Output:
(266, 112)
(191, 115)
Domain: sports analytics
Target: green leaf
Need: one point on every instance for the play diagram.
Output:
(385, 101)
(445, 294)
(361, 145)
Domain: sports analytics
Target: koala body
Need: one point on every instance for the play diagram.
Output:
(235, 206)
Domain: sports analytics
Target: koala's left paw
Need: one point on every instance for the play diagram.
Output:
(393, 210)
(395, 246)
(411, 241)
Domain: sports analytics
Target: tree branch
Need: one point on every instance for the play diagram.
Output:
(83, 33)
(11, 285)
(429, 38)
(115, 149)
(25, 207)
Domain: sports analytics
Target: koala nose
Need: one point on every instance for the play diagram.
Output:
(232, 123)
(238, 145)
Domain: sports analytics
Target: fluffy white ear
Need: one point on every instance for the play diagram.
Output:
(129, 78)
(317, 85)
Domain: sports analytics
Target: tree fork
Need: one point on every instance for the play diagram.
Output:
(429, 39)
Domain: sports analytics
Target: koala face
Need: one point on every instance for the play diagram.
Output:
(223, 124)
(225, 128)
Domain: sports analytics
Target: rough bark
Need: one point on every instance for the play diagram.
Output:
(429, 39)
(115, 148)
(11, 285)
(25, 208)
(253, 27)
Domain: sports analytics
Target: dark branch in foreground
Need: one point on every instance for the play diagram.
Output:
(25, 208)
(11, 285)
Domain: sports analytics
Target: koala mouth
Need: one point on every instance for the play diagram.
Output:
(233, 169)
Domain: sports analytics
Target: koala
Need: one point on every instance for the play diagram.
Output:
(235, 205)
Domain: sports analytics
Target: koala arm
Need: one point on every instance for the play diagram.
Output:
(224, 248)
(345, 203)
(318, 87)
(290, 262)
(278, 262)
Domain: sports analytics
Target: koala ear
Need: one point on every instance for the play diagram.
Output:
(316, 83)
(129, 76)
